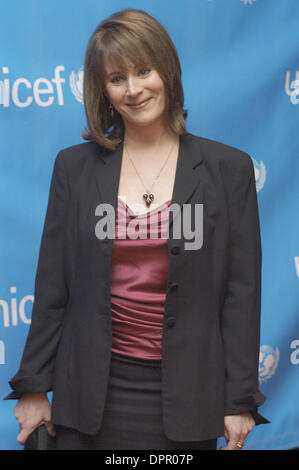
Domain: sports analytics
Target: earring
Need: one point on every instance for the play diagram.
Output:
(111, 111)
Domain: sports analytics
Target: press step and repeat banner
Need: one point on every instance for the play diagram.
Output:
(240, 62)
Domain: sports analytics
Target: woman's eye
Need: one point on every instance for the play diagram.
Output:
(115, 79)
(144, 70)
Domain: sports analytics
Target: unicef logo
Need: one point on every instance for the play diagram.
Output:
(260, 174)
(76, 84)
(268, 362)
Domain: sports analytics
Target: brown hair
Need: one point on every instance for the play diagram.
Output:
(136, 36)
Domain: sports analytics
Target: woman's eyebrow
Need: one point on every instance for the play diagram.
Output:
(112, 73)
(123, 71)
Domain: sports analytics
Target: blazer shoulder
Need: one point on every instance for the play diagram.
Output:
(219, 153)
(79, 154)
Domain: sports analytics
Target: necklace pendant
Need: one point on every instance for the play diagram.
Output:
(148, 198)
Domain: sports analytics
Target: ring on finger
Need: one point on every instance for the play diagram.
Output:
(240, 444)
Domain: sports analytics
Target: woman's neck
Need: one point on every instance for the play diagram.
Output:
(147, 138)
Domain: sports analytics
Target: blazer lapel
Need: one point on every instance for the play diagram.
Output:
(187, 172)
(107, 176)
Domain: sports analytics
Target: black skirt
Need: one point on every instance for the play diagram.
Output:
(133, 413)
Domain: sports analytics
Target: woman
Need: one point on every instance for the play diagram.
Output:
(148, 342)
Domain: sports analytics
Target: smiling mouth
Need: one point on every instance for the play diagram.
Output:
(139, 105)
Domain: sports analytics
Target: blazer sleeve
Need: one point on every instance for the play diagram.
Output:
(240, 321)
(35, 372)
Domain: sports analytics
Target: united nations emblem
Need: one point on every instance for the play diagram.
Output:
(268, 362)
(76, 84)
(248, 1)
(260, 174)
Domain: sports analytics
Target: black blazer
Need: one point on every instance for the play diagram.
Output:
(211, 328)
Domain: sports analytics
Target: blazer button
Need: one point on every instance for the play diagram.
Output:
(174, 286)
(175, 250)
(171, 321)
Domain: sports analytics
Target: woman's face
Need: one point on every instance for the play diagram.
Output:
(137, 94)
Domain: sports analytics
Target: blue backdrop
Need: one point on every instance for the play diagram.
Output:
(240, 62)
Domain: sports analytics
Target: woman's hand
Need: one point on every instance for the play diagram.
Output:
(31, 411)
(236, 428)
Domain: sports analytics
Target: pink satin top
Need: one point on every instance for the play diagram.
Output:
(139, 271)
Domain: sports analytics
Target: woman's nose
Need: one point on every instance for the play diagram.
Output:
(133, 85)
